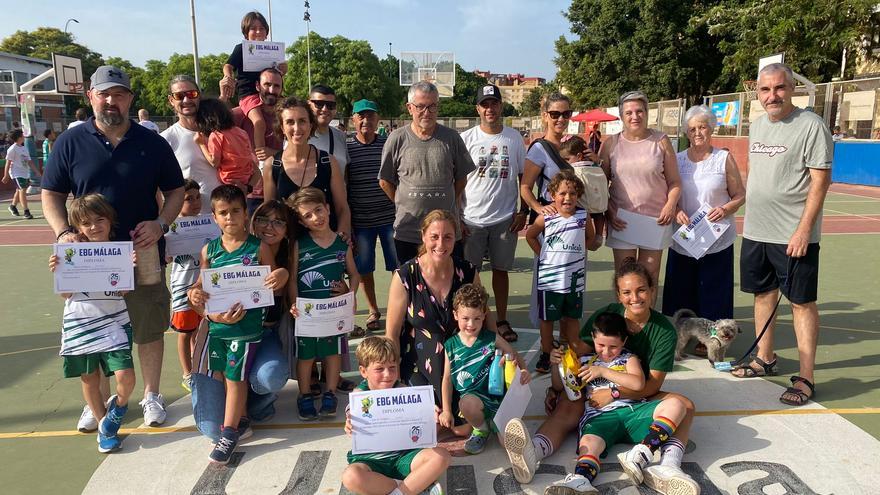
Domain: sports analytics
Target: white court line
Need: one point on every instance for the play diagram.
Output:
(854, 215)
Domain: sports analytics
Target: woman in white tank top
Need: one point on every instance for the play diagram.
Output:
(708, 176)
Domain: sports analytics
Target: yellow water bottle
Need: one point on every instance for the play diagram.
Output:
(509, 370)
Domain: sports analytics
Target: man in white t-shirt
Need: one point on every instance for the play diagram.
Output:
(183, 96)
(144, 120)
(322, 99)
(490, 214)
(82, 115)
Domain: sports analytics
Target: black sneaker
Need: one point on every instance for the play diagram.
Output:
(329, 403)
(244, 428)
(225, 446)
(543, 365)
(27, 214)
(14, 211)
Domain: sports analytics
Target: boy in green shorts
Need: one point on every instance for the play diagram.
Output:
(235, 334)
(96, 330)
(319, 261)
(469, 357)
(406, 472)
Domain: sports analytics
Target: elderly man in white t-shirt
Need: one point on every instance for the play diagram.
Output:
(490, 213)
(183, 96)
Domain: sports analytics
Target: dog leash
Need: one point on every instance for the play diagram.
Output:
(792, 265)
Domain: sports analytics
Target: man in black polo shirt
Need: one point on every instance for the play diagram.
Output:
(127, 163)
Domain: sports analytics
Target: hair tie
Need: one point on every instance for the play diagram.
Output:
(566, 138)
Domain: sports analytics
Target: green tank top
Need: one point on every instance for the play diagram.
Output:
(319, 267)
(247, 254)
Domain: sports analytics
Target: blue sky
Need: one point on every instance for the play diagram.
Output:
(496, 35)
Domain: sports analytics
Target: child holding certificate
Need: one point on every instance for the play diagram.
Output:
(560, 240)
(235, 334)
(395, 473)
(96, 330)
(320, 259)
(469, 357)
(185, 273)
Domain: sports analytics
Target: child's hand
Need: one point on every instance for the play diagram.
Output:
(6, 179)
(53, 263)
(682, 218)
(197, 297)
(555, 356)
(168, 259)
(200, 139)
(338, 288)
(276, 279)
(347, 426)
(524, 376)
(134, 258)
(446, 419)
(231, 316)
(593, 372)
(294, 311)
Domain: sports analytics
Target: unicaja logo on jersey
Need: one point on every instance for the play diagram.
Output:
(309, 278)
(553, 240)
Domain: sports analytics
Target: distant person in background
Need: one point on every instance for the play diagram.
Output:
(837, 135)
(322, 99)
(18, 160)
(144, 120)
(81, 115)
(48, 142)
(595, 140)
(876, 133)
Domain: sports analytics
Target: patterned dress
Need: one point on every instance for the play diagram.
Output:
(429, 323)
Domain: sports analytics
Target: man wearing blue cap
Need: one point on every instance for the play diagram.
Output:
(372, 212)
(110, 154)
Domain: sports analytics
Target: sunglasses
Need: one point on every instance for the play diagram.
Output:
(555, 115)
(266, 221)
(180, 95)
(319, 104)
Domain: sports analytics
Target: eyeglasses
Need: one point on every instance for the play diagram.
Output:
(319, 104)
(425, 108)
(266, 221)
(555, 115)
(180, 95)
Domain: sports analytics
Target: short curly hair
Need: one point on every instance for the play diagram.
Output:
(566, 176)
(471, 296)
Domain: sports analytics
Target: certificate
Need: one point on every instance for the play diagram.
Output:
(513, 405)
(700, 234)
(236, 284)
(93, 267)
(392, 419)
(325, 317)
(642, 230)
(259, 55)
(187, 235)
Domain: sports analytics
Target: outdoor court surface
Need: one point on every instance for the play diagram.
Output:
(743, 440)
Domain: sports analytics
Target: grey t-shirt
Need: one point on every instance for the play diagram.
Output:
(780, 156)
(424, 173)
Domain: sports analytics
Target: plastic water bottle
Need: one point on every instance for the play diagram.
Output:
(496, 375)
(509, 370)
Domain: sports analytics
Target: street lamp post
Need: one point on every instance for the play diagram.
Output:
(68, 22)
(308, 18)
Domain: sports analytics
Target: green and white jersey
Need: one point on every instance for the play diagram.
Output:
(94, 322)
(247, 254)
(184, 273)
(469, 366)
(561, 266)
(319, 267)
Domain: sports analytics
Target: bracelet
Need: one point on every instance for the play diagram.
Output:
(68, 230)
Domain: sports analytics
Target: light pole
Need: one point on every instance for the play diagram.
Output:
(308, 18)
(68, 22)
(192, 15)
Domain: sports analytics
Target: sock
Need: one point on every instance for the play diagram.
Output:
(587, 466)
(543, 446)
(660, 430)
(671, 453)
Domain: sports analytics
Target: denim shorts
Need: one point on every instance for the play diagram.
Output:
(365, 248)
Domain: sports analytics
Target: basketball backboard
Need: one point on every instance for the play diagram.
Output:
(435, 67)
(776, 58)
(68, 75)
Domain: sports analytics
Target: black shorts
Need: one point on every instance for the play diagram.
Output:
(763, 267)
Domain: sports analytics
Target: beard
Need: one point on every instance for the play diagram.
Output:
(110, 119)
(268, 98)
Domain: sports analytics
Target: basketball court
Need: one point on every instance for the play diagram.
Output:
(743, 440)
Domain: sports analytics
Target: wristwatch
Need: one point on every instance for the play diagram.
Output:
(163, 224)
(615, 392)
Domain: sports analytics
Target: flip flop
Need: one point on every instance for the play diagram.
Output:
(373, 321)
(508, 335)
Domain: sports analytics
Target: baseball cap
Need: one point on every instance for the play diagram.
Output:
(488, 91)
(108, 76)
(364, 105)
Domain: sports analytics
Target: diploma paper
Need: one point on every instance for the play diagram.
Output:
(259, 55)
(393, 419)
(513, 405)
(700, 234)
(234, 284)
(187, 235)
(643, 230)
(93, 267)
(325, 317)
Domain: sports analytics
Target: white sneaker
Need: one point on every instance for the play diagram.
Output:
(154, 409)
(573, 484)
(634, 461)
(518, 443)
(670, 480)
(87, 421)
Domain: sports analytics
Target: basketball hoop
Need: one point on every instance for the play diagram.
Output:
(751, 89)
(77, 88)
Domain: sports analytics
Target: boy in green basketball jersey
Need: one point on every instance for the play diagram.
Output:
(319, 261)
(469, 357)
(235, 334)
(395, 473)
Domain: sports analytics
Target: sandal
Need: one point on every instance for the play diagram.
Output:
(794, 396)
(357, 332)
(750, 371)
(345, 386)
(508, 335)
(373, 321)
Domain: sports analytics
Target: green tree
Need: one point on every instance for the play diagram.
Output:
(151, 83)
(44, 41)
(531, 104)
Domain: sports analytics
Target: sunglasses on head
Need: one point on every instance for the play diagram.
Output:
(555, 115)
(180, 95)
(319, 104)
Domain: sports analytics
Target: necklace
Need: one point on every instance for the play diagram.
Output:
(632, 319)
